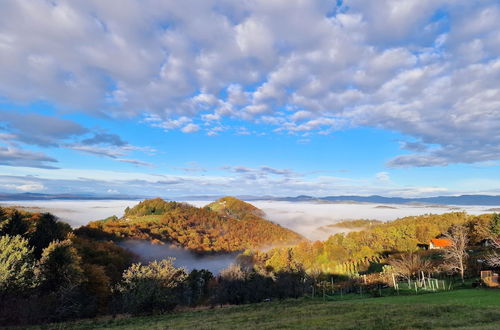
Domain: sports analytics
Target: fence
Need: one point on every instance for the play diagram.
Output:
(333, 291)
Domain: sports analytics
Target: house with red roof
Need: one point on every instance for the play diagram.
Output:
(439, 243)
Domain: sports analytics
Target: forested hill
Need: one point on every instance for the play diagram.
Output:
(224, 226)
(235, 208)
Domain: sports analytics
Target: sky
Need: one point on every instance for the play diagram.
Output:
(255, 97)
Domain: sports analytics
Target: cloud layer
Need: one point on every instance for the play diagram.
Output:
(429, 69)
(46, 131)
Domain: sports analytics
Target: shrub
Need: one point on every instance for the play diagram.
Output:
(153, 288)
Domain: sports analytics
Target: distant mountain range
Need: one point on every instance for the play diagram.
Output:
(487, 200)
(35, 196)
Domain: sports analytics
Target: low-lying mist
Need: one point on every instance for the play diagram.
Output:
(77, 212)
(148, 251)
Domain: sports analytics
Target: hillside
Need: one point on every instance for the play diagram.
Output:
(227, 225)
(356, 251)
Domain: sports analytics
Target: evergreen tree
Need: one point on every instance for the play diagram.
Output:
(47, 229)
(13, 224)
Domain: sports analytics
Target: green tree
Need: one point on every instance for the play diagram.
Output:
(60, 267)
(197, 284)
(156, 287)
(48, 229)
(16, 264)
(13, 224)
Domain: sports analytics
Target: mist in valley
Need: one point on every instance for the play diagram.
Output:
(305, 218)
(148, 251)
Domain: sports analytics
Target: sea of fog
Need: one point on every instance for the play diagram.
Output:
(306, 218)
(76, 212)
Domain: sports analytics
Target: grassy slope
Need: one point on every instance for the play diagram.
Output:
(466, 297)
(464, 309)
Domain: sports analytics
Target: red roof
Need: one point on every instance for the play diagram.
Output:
(441, 242)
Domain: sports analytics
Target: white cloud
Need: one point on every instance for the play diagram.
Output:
(239, 181)
(28, 187)
(135, 162)
(427, 69)
(190, 128)
(12, 156)
(383, 177)
(111, 152)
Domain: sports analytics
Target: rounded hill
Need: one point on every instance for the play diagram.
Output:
(226, 225)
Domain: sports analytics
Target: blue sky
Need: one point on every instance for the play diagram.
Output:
(171, 98)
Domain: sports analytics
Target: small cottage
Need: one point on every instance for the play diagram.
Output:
(439, 243)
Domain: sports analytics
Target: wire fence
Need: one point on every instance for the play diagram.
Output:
(331, 291)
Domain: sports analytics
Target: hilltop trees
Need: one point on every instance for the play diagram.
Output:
(234, 208)
(150, 207)
(198, 229)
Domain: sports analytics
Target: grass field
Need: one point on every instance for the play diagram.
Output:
(466, 297)
(463, 309)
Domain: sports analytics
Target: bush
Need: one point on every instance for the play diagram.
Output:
(153, 288)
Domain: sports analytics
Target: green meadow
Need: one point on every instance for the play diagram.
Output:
(462, 309)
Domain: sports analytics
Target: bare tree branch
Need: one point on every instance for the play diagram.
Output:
(409, 265)
(455, 256)
(493, 259)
